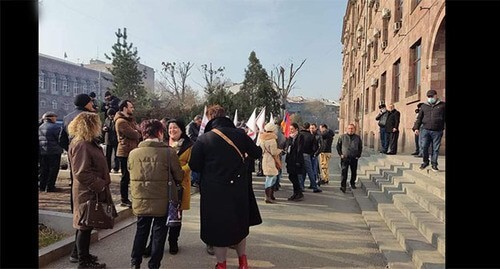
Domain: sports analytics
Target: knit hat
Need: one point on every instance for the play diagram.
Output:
(270, 127)
(82, 99)
(107, 93)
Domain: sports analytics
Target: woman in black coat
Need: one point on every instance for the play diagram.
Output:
(225, 190)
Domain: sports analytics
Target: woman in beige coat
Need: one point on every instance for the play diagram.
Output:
(269, 145)
(90, 178)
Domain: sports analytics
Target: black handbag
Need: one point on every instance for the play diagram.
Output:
(100, 215)
(174, 214)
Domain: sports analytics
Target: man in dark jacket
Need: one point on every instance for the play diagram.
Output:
(432, 118)
(110, 140)
(110, 101)
(326, 152)
(392, 129)
(50, 152)
(227, 208)
(349, 148)
(382, 119)
(308, 145)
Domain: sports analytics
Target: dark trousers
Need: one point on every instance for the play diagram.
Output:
(125, 181)
(172, 232)
(393, 142)
(294, 178)
(417, 143)
(111, 152)
(82, 245)
(383, 140)
(345, 163)
(49, 168)
(159, 231)
(431, 139)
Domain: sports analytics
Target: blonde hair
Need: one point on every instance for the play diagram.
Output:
(85, 127)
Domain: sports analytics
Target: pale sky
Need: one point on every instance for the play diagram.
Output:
(203, 31)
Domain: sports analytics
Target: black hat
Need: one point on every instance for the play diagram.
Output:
(82, 99)
(92, 94)
(107, 93)
(381, 106)
(431, 93)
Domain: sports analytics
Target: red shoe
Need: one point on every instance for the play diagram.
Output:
(243, 262)
(220, 265)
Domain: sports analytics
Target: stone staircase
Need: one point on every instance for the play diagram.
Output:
(404, 207)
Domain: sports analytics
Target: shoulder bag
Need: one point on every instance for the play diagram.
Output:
(100, 215)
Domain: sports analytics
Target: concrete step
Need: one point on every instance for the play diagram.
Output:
(428, 225)
(422, 252)
(428, 201)
(434, 185)
(388, 245)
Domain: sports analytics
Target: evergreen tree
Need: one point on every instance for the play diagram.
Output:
(127, 78)
(257, 90)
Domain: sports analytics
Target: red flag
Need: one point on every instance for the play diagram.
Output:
(285, 125)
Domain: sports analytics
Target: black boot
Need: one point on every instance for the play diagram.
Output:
(174, 247)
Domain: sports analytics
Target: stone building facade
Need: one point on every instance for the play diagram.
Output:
(393, 52)
(59, 81)
(149, 80)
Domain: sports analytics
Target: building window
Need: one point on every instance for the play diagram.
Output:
(368, 55)
(399, 11)
(359, 72)
(41, 81)
(53, 85)
(54, 104)
(415, 71)
(396, 80)
(75, 88)
(43, 103)
(66, 106)
(367, 100)
(370, 13)
(385, 33)
(375, 49)
(383, 83)
(65, 87)
(374, 99)
(84, 87)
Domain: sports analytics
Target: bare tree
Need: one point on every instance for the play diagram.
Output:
(213, 78)
(175, 77)
(279, 82)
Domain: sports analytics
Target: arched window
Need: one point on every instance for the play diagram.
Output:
(54, 104)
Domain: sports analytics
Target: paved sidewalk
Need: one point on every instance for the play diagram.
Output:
(326, 230)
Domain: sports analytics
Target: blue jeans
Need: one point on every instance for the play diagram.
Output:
(195, 178)
(383, 139)
(159, 231)
(270, 181)
(315, 165)
(309, 171)
(431, 138)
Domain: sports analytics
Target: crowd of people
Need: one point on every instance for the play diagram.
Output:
(161, 160)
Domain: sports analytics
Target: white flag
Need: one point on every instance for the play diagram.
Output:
(251, 122)
(203, 122)
(235, 121)
(271, 119)
(261, 120)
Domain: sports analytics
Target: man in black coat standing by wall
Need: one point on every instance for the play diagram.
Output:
(432, 118)
(392, 129)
